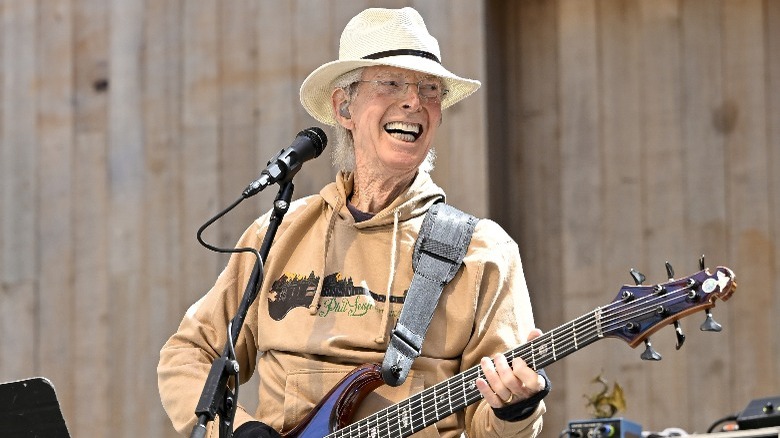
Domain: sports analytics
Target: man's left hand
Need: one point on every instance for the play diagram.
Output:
(504, 385)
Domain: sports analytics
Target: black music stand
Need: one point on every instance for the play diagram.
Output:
(29, 408)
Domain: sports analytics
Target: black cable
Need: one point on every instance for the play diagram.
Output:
(226, 250)
(258, 257)
(570, 432)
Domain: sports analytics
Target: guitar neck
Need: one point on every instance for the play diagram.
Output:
(636, 312)
(456, 393)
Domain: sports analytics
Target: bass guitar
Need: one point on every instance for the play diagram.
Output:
(637, 312)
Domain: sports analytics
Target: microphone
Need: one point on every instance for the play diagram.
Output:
(308, 144)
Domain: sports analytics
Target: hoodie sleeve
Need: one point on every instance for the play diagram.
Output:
(503, 321)
(185, 359)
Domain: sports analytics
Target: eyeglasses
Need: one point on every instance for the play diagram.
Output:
(429, 90)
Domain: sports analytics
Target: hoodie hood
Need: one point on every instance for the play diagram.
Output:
(414, 202)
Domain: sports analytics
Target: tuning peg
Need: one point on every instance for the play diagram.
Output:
(650, 353)
(680, 335)
(669, 271)
(638, 277)
(702, 266)
(709, 324)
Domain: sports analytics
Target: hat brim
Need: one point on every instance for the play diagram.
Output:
(316, 89)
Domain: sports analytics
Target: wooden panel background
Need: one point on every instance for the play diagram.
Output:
(622, 134)
(124, 126)
(638, 132)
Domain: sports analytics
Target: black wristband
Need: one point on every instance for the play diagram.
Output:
(523, 409)
(255, 429)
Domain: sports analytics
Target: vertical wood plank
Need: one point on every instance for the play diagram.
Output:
(199, 159)
(581, 183)
(238, 55)
(18, 260)
(126, 203)
(748, 203)
(463, 152)
(161, 264)
(705, 120)
(772, 30)
(313, 36)
(501, 44)
(199, 128)
(92, 347)
(277, 94)
(663, 215)
(623, 246)
(55, 127)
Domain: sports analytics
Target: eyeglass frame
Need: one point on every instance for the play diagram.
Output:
(399, 93)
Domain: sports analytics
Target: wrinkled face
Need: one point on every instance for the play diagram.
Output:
(393, 124)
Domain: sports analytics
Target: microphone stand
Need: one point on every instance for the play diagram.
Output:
(217, 398)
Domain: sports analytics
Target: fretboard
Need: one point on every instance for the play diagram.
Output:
(456, 393)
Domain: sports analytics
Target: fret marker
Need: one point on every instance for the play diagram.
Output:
(574, 335)
(597, 315)
(552, 343)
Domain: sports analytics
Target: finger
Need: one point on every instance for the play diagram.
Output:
(491, 385)
(534, 333)
(487, 393)
(509, 379)
(530, 380)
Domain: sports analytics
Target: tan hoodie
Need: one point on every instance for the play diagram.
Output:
(332, 291)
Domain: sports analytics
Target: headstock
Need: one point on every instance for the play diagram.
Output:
(640, 310)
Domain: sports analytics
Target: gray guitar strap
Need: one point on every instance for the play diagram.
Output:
(438, 254)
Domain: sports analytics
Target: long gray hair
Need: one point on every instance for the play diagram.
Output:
(343, 152)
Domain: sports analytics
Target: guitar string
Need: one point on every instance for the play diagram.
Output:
(469, 396)
(608, 323)
(412, 423)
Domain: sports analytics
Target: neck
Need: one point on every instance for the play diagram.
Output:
(371, 195)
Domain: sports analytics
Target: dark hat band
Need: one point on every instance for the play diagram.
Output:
(398, 52)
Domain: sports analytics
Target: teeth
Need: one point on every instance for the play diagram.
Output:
(403, 131)
(413, 128)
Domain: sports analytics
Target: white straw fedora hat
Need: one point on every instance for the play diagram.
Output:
(376, 36)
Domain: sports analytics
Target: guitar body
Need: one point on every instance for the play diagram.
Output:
(337, 408)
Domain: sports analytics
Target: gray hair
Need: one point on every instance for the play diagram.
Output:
(343, 152)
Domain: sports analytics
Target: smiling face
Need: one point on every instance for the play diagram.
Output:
(392, 132)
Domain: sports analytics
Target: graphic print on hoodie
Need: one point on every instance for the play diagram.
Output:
(339, 295)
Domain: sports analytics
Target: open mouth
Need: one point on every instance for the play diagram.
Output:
(408, 132)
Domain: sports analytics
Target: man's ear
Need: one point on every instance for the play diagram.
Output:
(344, 110)
(340, 105)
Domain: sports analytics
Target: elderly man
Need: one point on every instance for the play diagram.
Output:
(337, 274)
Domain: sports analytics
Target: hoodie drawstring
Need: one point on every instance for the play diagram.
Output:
(315, 302)
(388, 293)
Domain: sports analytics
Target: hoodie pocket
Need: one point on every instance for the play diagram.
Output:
(304, 389)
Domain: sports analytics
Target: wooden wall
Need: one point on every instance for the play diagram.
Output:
(125, 125)
(623, 133)
(636, 133)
